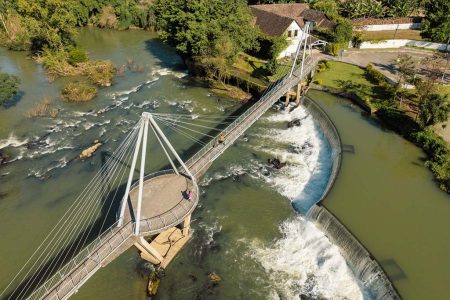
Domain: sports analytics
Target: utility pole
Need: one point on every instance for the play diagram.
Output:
(446, 64)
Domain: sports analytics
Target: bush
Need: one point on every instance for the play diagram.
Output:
(9, 85)
(334, 48)
(271, 66)
(270, 47)
(318, 81)
(78, 92)
(100, 72)
(77, 55)
(343, 31)
(42, 109)
(108, 18)
(375, 75)
(323, 65)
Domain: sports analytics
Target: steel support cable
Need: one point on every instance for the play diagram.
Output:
(192, 124)
(63, 219)
(115, 194)
(87, 208)
(180, 127)
(51, 252)
(73, 206)
(163, 147)
(88, 221)
(187, 135)
(194, 114)
(190, 129)
(212, 121)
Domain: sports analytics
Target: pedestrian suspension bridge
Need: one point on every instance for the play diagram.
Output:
(157, 205)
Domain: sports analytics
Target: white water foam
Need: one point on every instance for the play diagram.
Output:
(305, 262)
(167, 71)
(307, 155)
(12, 141)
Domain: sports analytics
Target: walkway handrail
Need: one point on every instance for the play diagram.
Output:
(243, 121)
(74, 263)
(268, 97)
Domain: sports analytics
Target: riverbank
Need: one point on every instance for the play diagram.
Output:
(368, 89)
(388, 200)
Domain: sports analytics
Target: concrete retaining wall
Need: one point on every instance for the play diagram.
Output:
(333, 138)
(363, 265)
(381, 27)
(402, 43)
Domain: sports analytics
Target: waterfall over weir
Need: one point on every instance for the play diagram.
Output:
(361, 262)
(364, 266)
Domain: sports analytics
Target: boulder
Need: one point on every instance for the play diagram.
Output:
(293, 123)
(88, 152)
(214, 278)
(275, 163)
(153, 283)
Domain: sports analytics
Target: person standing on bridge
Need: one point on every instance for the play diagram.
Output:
(222, 139)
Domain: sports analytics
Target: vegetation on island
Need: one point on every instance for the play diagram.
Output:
(9, 86)
(42, 109)
(78, 92)
(48, 30)
(412, 113)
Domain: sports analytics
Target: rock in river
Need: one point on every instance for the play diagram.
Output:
(88, 152)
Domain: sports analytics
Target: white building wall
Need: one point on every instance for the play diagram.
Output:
(293, 41)
(388, 27)
(403, 43)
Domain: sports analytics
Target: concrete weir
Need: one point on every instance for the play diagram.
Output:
(362, 263)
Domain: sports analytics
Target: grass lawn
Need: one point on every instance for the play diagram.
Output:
(252, 69)
(409, 34)
(339, 73)
(248, 63)
(444, 90)
(354, 80)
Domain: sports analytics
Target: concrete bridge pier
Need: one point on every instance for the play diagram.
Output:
(165, 246)
(297, 94)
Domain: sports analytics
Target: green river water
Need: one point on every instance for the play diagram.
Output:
(245, 228)
(385, 196)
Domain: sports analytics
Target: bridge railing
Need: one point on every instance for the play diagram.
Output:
(75, 262)
(267, 99)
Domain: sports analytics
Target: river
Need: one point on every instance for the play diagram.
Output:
(245, 228)
(386, 197)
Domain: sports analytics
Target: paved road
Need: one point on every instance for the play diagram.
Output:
(382, 59)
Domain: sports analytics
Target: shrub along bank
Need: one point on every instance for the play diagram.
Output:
(371, 87)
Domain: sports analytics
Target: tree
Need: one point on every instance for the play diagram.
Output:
(436, 25)
(400, 8)
(406, 71)
(329, 7)
(434, 109)
(194, 26)
(9, 85)
(343, 31)
(435, 67)
(363, 9)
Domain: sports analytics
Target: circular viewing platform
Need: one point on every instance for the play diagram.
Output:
(164, 201)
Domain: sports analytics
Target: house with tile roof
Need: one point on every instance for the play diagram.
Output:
(288, 20)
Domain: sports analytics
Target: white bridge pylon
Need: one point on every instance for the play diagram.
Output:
(141, 145)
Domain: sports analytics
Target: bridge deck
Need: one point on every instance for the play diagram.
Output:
(163, 202)
(114, 242)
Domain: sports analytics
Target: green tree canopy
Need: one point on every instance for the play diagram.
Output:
(437, 20)
(193, 27)
(9, 85)
(434, 109)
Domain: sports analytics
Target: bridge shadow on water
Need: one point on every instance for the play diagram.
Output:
(106, 218)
